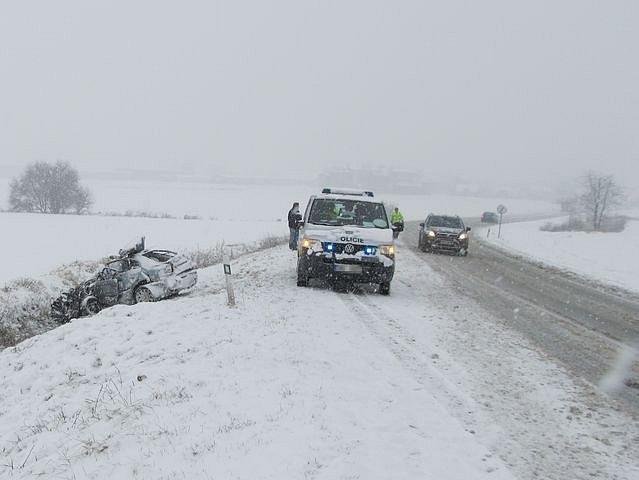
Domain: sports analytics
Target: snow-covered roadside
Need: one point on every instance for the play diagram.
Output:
(302, 383)
(287, 385)
(606, 257)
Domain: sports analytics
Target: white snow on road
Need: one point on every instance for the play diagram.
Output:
(607, 257)
(300, 383)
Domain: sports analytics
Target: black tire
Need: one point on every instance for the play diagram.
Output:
(142, 295)
(340, 286)
(92, 306)
(302, 277)
(384, 288)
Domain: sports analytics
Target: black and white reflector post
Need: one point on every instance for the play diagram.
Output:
(229, 284)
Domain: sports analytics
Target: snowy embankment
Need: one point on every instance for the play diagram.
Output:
(284, 386)
(301, 383)
(611, 258)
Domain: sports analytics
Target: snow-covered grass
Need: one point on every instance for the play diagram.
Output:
(606, 257)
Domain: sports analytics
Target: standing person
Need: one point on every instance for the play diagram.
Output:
(397, 220)
(294, 217)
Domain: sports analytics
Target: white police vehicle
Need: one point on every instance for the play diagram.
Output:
(346, 237)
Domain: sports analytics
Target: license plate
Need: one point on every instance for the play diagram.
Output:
(348, 268)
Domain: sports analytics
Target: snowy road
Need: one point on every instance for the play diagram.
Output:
(584, 326)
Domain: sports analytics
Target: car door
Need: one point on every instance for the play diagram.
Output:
(106, 287)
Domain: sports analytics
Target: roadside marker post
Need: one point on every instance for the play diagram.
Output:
(230, 293)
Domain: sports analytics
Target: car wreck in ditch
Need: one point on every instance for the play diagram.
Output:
(136, 275)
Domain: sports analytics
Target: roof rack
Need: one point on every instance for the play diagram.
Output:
(347, 191)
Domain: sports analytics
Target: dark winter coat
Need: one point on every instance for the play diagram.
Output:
(293, 217)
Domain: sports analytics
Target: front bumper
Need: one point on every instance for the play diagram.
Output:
(449, 244)
(356, 270)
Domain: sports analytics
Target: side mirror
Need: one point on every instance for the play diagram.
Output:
(468, 229)
(421, 224)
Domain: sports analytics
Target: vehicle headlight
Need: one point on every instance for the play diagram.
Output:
(387, 250)
(310, 244)
(463, 236)
(431, 233)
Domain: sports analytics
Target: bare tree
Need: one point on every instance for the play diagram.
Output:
(601, 194)
(82, 200)
(47, 188)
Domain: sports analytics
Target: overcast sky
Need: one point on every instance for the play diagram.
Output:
(505, 88)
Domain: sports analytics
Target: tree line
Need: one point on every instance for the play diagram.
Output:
(49, 188)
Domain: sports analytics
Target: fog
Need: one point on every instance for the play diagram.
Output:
(482, 90)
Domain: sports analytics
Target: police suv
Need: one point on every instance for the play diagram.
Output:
(346, 237)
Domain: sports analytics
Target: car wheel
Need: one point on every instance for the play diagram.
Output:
(92, 306)
(302, 280)
(143, 294)
(384, 288)
(340, 286)
(302, 277)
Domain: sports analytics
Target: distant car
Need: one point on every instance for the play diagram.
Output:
(138, 275)
(444, 233)
(489, 217)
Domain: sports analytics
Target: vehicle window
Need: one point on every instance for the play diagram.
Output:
(348, 212)
(118, 266)
(159, 255)
(445, 222)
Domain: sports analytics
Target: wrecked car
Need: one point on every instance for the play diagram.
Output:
(137, 275)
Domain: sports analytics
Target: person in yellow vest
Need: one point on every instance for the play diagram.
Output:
(397, 220)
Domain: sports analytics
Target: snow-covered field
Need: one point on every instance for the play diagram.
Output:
(35, 244)
(301, 383)
(607, 257)
(263, 202)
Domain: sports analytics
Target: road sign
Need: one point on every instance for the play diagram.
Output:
(227, 269)
(501, 209)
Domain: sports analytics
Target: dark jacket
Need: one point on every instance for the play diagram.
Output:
(293, 218)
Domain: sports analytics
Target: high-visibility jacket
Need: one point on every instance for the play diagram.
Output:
(397, 217)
